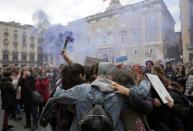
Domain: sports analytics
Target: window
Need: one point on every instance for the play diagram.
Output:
(151, 27)
(104, 39)
(5, 55)
(191, 38)
(5, 41)
(15, 56)
(152, 34)
(32, 45)
(6, 34)
(191, 7)
(110, 38)
(24, 35)
(15, 44)
(24, 44)
(32, 57)
(149, 52)
(24, 40)
(135, 52)
(24, 56)
(123, 35)
(135, 36)
(32, 39)
(15, 35)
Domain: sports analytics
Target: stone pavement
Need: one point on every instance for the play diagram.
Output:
(18, 125)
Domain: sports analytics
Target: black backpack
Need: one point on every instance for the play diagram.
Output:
(97, 119)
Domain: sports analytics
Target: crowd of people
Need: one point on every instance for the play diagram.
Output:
(17, 86)
(117, 98)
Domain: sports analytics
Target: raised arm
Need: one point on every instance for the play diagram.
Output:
(66, 57)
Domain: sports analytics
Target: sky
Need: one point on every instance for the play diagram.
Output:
(64, 11)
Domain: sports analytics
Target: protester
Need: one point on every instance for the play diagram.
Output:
(8, 96)
(136, 105)
(181, 76)
(189, 86)
(132, 117)
(27, 83)
(42, 86)
(15, 78)
(149, 65)
(138, 74)
(80, 96)
(169, 72)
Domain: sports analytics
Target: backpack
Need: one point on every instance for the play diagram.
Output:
(97, 119)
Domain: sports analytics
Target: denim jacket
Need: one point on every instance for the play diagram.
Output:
(85, 95)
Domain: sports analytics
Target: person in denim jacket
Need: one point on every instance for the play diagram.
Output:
(81, 96)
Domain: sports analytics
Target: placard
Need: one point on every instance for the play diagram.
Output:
(159, 87)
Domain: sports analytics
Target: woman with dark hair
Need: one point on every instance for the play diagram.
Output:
(27, 83)
(149, 65)
(71, 76)
(181, 77)
(173, 115)
(133, 118)
(42, 86)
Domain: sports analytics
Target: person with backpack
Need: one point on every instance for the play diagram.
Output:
(97, 95)
(72, 75)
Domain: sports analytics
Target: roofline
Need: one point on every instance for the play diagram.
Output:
(15, 24)
(125, 7)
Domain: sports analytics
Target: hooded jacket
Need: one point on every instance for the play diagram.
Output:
(83, 96)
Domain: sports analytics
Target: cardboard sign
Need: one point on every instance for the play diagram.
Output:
(159, 87)
(121, 59)
(90, 61)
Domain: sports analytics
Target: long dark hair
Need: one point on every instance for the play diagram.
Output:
(71, 75)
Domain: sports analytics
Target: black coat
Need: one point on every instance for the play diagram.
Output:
(27, 86)
(8, 94)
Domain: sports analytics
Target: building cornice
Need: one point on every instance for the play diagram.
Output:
(15, 24)
(130, 7)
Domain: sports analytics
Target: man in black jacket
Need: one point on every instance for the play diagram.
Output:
(8, 96)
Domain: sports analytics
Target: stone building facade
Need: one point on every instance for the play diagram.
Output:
(186, 16)
(18, 44)
(141, 31)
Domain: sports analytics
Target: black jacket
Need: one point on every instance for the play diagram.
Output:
(8, 94)
(27, 86)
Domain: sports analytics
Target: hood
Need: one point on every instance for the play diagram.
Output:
(104, 85)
